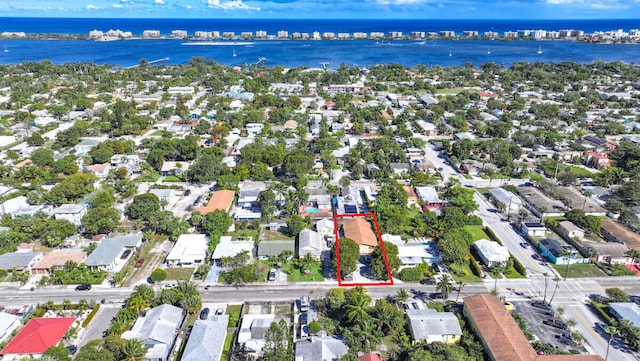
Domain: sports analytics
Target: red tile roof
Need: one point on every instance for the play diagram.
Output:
(370, 357)
(38, 335)
(220, 200)
(359, 230)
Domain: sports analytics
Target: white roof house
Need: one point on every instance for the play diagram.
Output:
(157, 330)
(71, 212)
(433, 326)
(491, 252)
(8, 323)
(229, 248)
(189, 249)
(321, 347)
(512, 202)
(415, 251)
(325, 226)
(252, 330)
(206, 339)
(108, 256)
(428, 195)
(311, 242)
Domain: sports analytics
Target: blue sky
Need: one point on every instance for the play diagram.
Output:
(326, 9)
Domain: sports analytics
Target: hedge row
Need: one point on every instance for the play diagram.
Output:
(492, 235)
(518, 266)
(600, 309)
(412, 274)
(90, 316)
(475, 268)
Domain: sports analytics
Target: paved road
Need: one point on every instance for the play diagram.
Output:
(100, 323)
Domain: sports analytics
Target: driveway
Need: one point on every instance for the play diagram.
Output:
(100, 323)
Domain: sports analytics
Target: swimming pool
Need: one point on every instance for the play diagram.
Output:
(312, 210)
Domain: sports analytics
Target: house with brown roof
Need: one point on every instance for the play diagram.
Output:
(500, 335)
(57, 259)
(359, 230)
(220, 200)
(617, 232)
(99, 170)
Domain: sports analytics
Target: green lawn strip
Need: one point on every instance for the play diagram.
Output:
(462, 273)
(512, 273)
(179, 273)
(226, 349)
(477, 232)
(267, 235)
(172, 178)
(579, 270)
(234, 315)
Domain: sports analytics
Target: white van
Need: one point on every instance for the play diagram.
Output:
(304, 304)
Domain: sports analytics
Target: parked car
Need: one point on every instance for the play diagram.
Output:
(536, 257)
(187, 192)
(524, 244)
(304, 317)
(125, 254)
(436, 295)
(72, 349)
(219, 312)
(272, 275)
(139, 263)
(83, 287)
(428, 281)
(540, 304)
(567, 338)
(556, 323)
(204, 313)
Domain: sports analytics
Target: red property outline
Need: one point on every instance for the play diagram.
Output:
(378, 236)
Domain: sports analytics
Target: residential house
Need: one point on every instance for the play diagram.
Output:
(371, 357)
(174, 168)
(400, 169)
(534, 229)
(540, 204)
(99, 170)
(112, 253)
(71, 212)
(617, 232)
(325, 227)
(359, 230)
(57, 259)
(311, 242)
(164, 195)
(189, 250)
(8, 324)
(269, 249)
(157, 331)
(415, 251)
(229, 248)
(429, 325)
(206, 339)
(559, 253)
(130, 162)
(249, 193)
(491, 252)
(596, 160)
(252, 330)
(321, 347)
(429, 197)
(612, 252)
(626, 311)
(19, 206)
(36, 337)
(501, 336)
(512, 203)
(412, 198)
(570, 230)
(85, 146)
(220, 200)
(20, 260)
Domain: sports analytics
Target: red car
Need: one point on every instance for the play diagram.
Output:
(139, 263)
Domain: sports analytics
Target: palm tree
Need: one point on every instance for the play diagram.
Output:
(83, 305)
(65, 303)
(612, 332)
(557, 281)
(138, 303)
(634, 254)
(307, 261)
(133, 349)
(357, 304)
(145, 291)
(401, 296)
(460, 287)
(546, 284)
(496, 271)
(445, 285)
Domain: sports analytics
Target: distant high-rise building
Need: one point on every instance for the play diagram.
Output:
(418, 34)
(179, 34)
(228, 34)
(261, 34)
(246, 34)
(447, 34)
(344, 36)
(359, 35)
(395, 34)
(151, 34)
(282, 34)
(469, 33)
(328, 35)
(510, 34)
(95, 34)
(377, 34)
(491, 34)
(316, 35)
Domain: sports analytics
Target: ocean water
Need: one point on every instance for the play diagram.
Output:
(310, 53)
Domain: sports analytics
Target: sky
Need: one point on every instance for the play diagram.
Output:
(325, 9)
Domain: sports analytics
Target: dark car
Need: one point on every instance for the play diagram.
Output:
(436, 295)
(83, 287)
(567, 338)
(536, 257)
(304, 317)
(204, 313)
(542, 305)
(125, 254)
(524, 244)
(72, 349)
(197, 201)
(187, 192)
(139, 263)
(428, 281)
(556, 323)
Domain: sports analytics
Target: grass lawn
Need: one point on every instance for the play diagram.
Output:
(579, 270)
(226, 349)
(244, 234)
(295, 272)
(149, 176)
(234, 315)
(536, 177)
(172, 178)
(462, 273)
(477, 232)
(452, 91)
(512, 273)
(267, 235)
(179, 273)
(466, 176)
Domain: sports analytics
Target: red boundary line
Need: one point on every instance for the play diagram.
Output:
(380, 242)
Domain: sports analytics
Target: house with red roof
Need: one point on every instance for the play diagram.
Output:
(38, 335)
(370, 357)
(596, 160)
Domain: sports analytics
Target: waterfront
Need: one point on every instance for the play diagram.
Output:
(312, 53)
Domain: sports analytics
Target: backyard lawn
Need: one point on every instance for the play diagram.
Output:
(268, 235)
(579, 270)
(234, 315)
(172, 178)
(179, 273)
(462, 273)
(295, 272)
(477, 232)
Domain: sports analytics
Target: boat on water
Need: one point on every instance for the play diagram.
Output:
(5, 49)
(217, 43)
(539, 50)
(382, 43)
(450, 54)
(234, 52)
(489, 51)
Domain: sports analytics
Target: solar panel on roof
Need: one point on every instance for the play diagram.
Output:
(350, 209)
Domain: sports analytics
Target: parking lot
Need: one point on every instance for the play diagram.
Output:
(545, 333)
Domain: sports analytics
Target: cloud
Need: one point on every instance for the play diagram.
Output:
(401, 2)
(118, 6)
(596, 4)
(231, 5)
(92, 7)
(160, 2)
